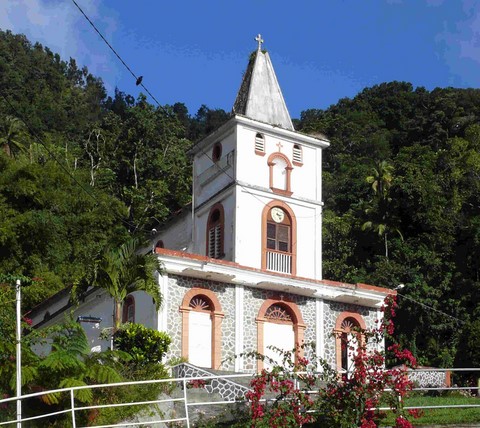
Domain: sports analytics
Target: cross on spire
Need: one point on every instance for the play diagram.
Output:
(259, 40)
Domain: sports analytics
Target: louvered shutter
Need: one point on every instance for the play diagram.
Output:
(218, 241)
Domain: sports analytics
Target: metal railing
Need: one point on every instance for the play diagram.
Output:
(74, 407)
(186, 384)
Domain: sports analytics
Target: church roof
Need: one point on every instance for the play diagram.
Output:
(260, 97)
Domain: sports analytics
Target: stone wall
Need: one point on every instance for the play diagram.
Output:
(253, 298)
(331, 312)
(177, 287)
(422, 378)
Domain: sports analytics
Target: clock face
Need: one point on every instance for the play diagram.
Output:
(277, 214)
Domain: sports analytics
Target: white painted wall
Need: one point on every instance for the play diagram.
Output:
(248, 243)
(178, 233)
(253, 169)
(201, 218)
(204, 190)
(243, 204)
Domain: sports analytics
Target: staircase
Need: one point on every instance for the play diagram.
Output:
(229, 388)
(217, 388)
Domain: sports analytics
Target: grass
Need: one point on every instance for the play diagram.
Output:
(443, 416)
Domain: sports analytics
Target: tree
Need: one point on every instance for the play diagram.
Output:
(124, 270)
(13, 136)
(379, 210)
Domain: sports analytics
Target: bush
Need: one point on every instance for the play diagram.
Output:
(145, 345)
(283, 396)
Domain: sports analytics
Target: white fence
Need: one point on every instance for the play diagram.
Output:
(185, 382)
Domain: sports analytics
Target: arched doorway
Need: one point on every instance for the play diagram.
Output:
(348, 338)
(201, 328)
(280, 325)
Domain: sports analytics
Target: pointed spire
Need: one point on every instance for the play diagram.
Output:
(260, 97)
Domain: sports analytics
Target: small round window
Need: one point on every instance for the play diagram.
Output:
(216, 152)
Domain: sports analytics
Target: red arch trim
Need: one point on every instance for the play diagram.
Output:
(293, 225)
(298, 326)
(216, 315)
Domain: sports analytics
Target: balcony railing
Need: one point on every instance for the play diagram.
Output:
(279, 262)
(217, 168)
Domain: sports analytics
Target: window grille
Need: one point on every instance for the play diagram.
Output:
(199, 303)
(277, 313)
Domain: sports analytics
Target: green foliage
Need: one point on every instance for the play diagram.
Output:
(132, 158)
(52, 228)
(424, 146)
(69, 363)
(58, 133)
(468, 349)
(145, 345)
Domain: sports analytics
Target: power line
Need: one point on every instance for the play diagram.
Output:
(138, 79)
(431, 308)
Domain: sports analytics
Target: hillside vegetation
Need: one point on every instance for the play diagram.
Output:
(80, 169)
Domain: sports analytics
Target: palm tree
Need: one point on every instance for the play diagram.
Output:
(13, 135)
(381, 223)
(381, 179)
(123, 270)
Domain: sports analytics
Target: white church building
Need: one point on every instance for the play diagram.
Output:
(243, 263)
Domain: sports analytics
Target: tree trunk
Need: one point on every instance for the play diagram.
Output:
(386, 245)
(117, 316)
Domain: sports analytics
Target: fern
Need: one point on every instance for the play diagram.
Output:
(82, 395)
(103, 374)
(29, 373)
(60, 361)
(51, 399)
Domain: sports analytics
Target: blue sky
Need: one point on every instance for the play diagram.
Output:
(196, 51)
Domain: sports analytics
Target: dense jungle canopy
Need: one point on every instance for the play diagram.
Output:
(80, 169)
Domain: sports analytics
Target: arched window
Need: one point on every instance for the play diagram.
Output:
(348, 338)
(279, 243)
(201, 328)
(297, 155)
(260, 144)
(280, 325)
(159, 244)
(215, 232)
(280, 174)
(216, 152)
(129, 309)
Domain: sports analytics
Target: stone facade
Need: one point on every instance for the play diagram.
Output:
(177, 288)
(331, 312)
(253, 299)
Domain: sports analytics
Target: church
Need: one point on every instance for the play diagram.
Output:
(243, 263)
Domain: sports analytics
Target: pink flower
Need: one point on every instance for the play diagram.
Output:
(401, 422)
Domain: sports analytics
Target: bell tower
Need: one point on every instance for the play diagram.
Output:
(257, 192)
